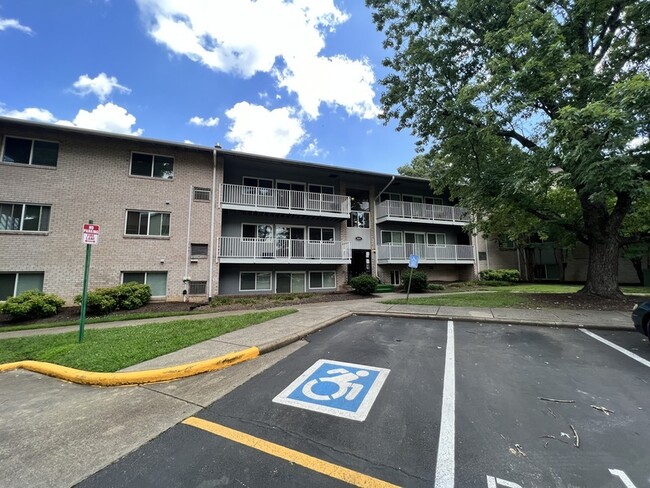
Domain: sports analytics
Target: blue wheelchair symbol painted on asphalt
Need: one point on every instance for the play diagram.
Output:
(336, 388)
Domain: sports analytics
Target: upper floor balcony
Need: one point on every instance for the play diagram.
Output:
(398, 211)
(275, 200)
(448, 254)
(272, 251)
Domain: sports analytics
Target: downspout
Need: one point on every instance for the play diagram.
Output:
(212, 216)
(392, 178)
(187, 247)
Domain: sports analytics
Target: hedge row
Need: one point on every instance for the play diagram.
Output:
(122, 297)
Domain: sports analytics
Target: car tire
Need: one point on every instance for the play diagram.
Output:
(646, 326)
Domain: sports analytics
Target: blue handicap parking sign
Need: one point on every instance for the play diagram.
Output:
(414, 259)
(336, 388)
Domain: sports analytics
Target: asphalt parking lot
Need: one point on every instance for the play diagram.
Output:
(411, 402)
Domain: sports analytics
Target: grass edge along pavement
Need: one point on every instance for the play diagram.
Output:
(102, 378)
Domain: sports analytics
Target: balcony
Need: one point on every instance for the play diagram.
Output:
(449, 254)
(273, 200)
(272, 251)
(395, 211)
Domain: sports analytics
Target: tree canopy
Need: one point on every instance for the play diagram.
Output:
(537, 108)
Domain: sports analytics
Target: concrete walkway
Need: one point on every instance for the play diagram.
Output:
(56, 433)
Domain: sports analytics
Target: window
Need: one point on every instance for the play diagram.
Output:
(202, 194)
(413, 238)
(147, 223)
(12, 284)
(317, 192)
(395, 278)
(257, 231)
(482, 256)
(322, 279)
(30, 151)
(391, 237)
(198, 287)
(156, 280)
(258, 182)
(325, 234)
(505, 243)
(24, 217)
(255, 281)
(436, 239)
(433, 200)
(395, 197)
(152, 166)
(198, 250)
(360, 205)
(412, 198)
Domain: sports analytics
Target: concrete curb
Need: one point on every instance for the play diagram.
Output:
(133, 377)
(492, 320)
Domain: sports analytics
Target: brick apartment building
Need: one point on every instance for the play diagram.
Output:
(202, 221)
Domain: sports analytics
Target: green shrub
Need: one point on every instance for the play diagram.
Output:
(435, 287)
(509, 275)
(364, 284)
(32, 304)
(99, 302)
(132, 295)
(127, 296)
(418, 281)
(494, 283)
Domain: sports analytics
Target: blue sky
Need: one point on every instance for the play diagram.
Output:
(292, 79)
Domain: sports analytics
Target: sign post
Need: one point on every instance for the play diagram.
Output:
(90, 237)
(413, 263)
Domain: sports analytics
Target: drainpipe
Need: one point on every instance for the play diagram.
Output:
(392, 178)
(212, 216)
(187, 247)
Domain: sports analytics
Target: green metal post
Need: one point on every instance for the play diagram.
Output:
(408, 290)
(84, 293)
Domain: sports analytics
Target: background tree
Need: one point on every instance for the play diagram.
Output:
(536, 106)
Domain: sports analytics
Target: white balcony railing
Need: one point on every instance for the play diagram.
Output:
(418, 212)
(284, 201)
(428, 254)
(246, 249)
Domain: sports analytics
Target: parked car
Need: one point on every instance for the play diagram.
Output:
(641, 317)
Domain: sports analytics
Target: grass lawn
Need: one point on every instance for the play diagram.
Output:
(110, 350)
(495, 299)
(101, 320)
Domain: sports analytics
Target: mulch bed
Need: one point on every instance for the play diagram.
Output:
(580, 301)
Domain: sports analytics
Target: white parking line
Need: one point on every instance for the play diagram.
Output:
(629, 354)
(445, 464)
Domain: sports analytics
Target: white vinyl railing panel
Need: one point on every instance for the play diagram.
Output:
(421, 211)
(427, 253)
(248, 248)
(253, 197)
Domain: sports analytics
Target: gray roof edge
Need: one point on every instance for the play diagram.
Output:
(198, 147)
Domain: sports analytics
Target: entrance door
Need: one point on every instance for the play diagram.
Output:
(289, 282)
(291, 195)
(290, 241)
(360, 263)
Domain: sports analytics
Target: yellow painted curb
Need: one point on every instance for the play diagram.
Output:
(133, 377)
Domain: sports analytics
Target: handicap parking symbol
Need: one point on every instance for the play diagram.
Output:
(335, 388)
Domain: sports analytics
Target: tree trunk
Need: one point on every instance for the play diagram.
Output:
(637, 262)
(602, 230)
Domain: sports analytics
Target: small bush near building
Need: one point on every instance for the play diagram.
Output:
(127, 296)
(509, 275)
(32, 304)
(364, 284)
(418, 281)
(435, 287)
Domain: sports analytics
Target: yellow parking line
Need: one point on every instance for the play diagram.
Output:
(310, 462)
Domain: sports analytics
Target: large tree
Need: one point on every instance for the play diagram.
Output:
(538, 106)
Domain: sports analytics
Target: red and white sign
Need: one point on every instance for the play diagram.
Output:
(90, 234)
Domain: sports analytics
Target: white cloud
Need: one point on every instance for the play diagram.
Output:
(102, 86)
(14, 24)
(187, 141)
(278, 37)
(335, 80)
(201, 122)
(30, 113)
(107, 117)
(314, 150)
(637, 142)
(255, 129)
